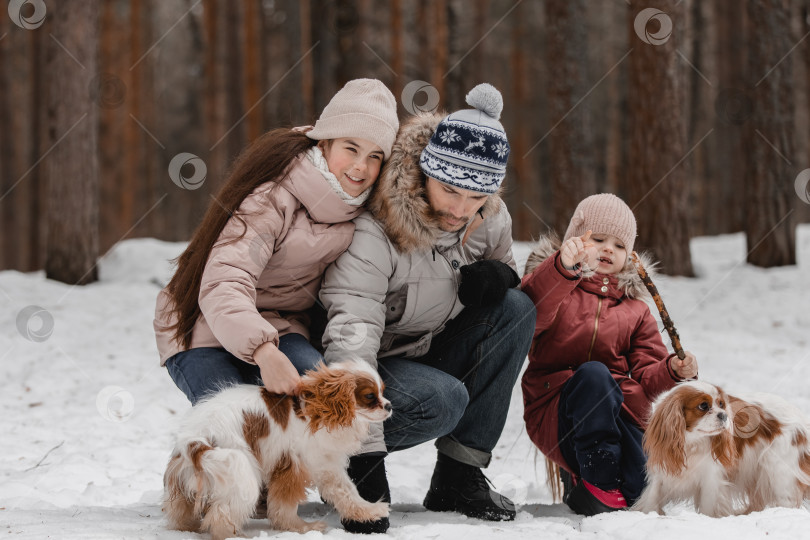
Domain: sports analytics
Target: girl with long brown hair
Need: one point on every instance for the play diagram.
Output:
(236, 309)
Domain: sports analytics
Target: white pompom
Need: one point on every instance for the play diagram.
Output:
(487, 99)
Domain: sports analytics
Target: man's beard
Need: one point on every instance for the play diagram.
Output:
(438, 216)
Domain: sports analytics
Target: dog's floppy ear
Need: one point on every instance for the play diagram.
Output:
(328, 397)
(724, 450)
(665, 438)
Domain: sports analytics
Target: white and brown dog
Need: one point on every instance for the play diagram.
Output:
(717, 450)
(245, 437)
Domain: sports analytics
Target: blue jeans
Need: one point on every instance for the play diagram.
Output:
(597, 442)
(206, 370)
(459, 392)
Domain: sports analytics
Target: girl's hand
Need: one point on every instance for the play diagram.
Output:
(577, 250)
(686, 368)
(278, 374)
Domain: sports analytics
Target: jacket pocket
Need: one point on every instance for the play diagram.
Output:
(395, 304)
(412, 348)
(402, 307)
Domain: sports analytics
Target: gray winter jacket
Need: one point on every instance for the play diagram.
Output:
(397, 285)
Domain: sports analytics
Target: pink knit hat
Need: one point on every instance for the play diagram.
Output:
(363, 108)
(604, 214)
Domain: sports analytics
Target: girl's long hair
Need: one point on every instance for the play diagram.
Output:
(267, 159)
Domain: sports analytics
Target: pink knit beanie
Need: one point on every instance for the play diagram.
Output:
(363, 108)
(604, 214)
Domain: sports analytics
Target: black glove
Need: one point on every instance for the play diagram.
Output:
(484, 283)
(367, 471)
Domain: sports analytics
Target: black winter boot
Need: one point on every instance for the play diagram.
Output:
(568, 483)
(367, 471)
(458, 487)
(589, 500)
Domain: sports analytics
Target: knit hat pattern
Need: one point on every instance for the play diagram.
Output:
(363, 108)
(604, 214)
(469, 147)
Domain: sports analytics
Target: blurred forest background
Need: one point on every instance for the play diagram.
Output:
(694, 111)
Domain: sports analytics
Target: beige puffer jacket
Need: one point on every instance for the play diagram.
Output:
(258, 287)
(396, 286)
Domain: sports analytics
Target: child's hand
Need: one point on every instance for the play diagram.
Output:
(686, 368)
(577, 250)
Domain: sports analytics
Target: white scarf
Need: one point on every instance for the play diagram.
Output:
(316, 157)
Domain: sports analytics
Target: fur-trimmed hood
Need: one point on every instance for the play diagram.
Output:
(399, 201)
(629, 282)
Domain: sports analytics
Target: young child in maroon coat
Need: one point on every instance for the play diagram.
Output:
(597, 359)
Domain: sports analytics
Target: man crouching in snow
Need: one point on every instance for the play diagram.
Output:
(426, 294)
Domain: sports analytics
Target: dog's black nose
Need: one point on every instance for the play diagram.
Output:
(388, 407)
(722, 416)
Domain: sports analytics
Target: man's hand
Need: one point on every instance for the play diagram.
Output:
(484, 283)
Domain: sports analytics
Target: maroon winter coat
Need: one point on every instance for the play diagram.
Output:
(581, 319)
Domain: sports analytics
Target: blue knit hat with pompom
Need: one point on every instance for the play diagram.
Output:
(469, 148)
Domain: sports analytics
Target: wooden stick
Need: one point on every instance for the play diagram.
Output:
(659, 303)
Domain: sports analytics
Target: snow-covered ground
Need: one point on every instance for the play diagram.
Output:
(86, 412)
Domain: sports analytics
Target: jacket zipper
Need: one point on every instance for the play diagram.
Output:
(455, 286)
(595, 327)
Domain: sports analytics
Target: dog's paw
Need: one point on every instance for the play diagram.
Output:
(366, 511)
(305, 526)
(376, 511)
(319, 526)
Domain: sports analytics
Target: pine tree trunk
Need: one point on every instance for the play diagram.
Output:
(732, 110)
(72, 165)
(571, 164)
(6, 151)
(179, 125)
(768, 139)
(659, 192)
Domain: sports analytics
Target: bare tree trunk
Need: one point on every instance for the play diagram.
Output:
(515, 105)
(608, 102)
(656, 101)
(224, 95)
(733, 105)
(438, 54)
(252, 48)
(6, 152)
(285, 104)
(571, 167)
(21, 116)
(72, 176)
(179, 126)
(397, 53)
(113, 117)
(768, 139)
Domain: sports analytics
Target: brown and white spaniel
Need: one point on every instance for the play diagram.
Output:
(726, 454)
(244, 437)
